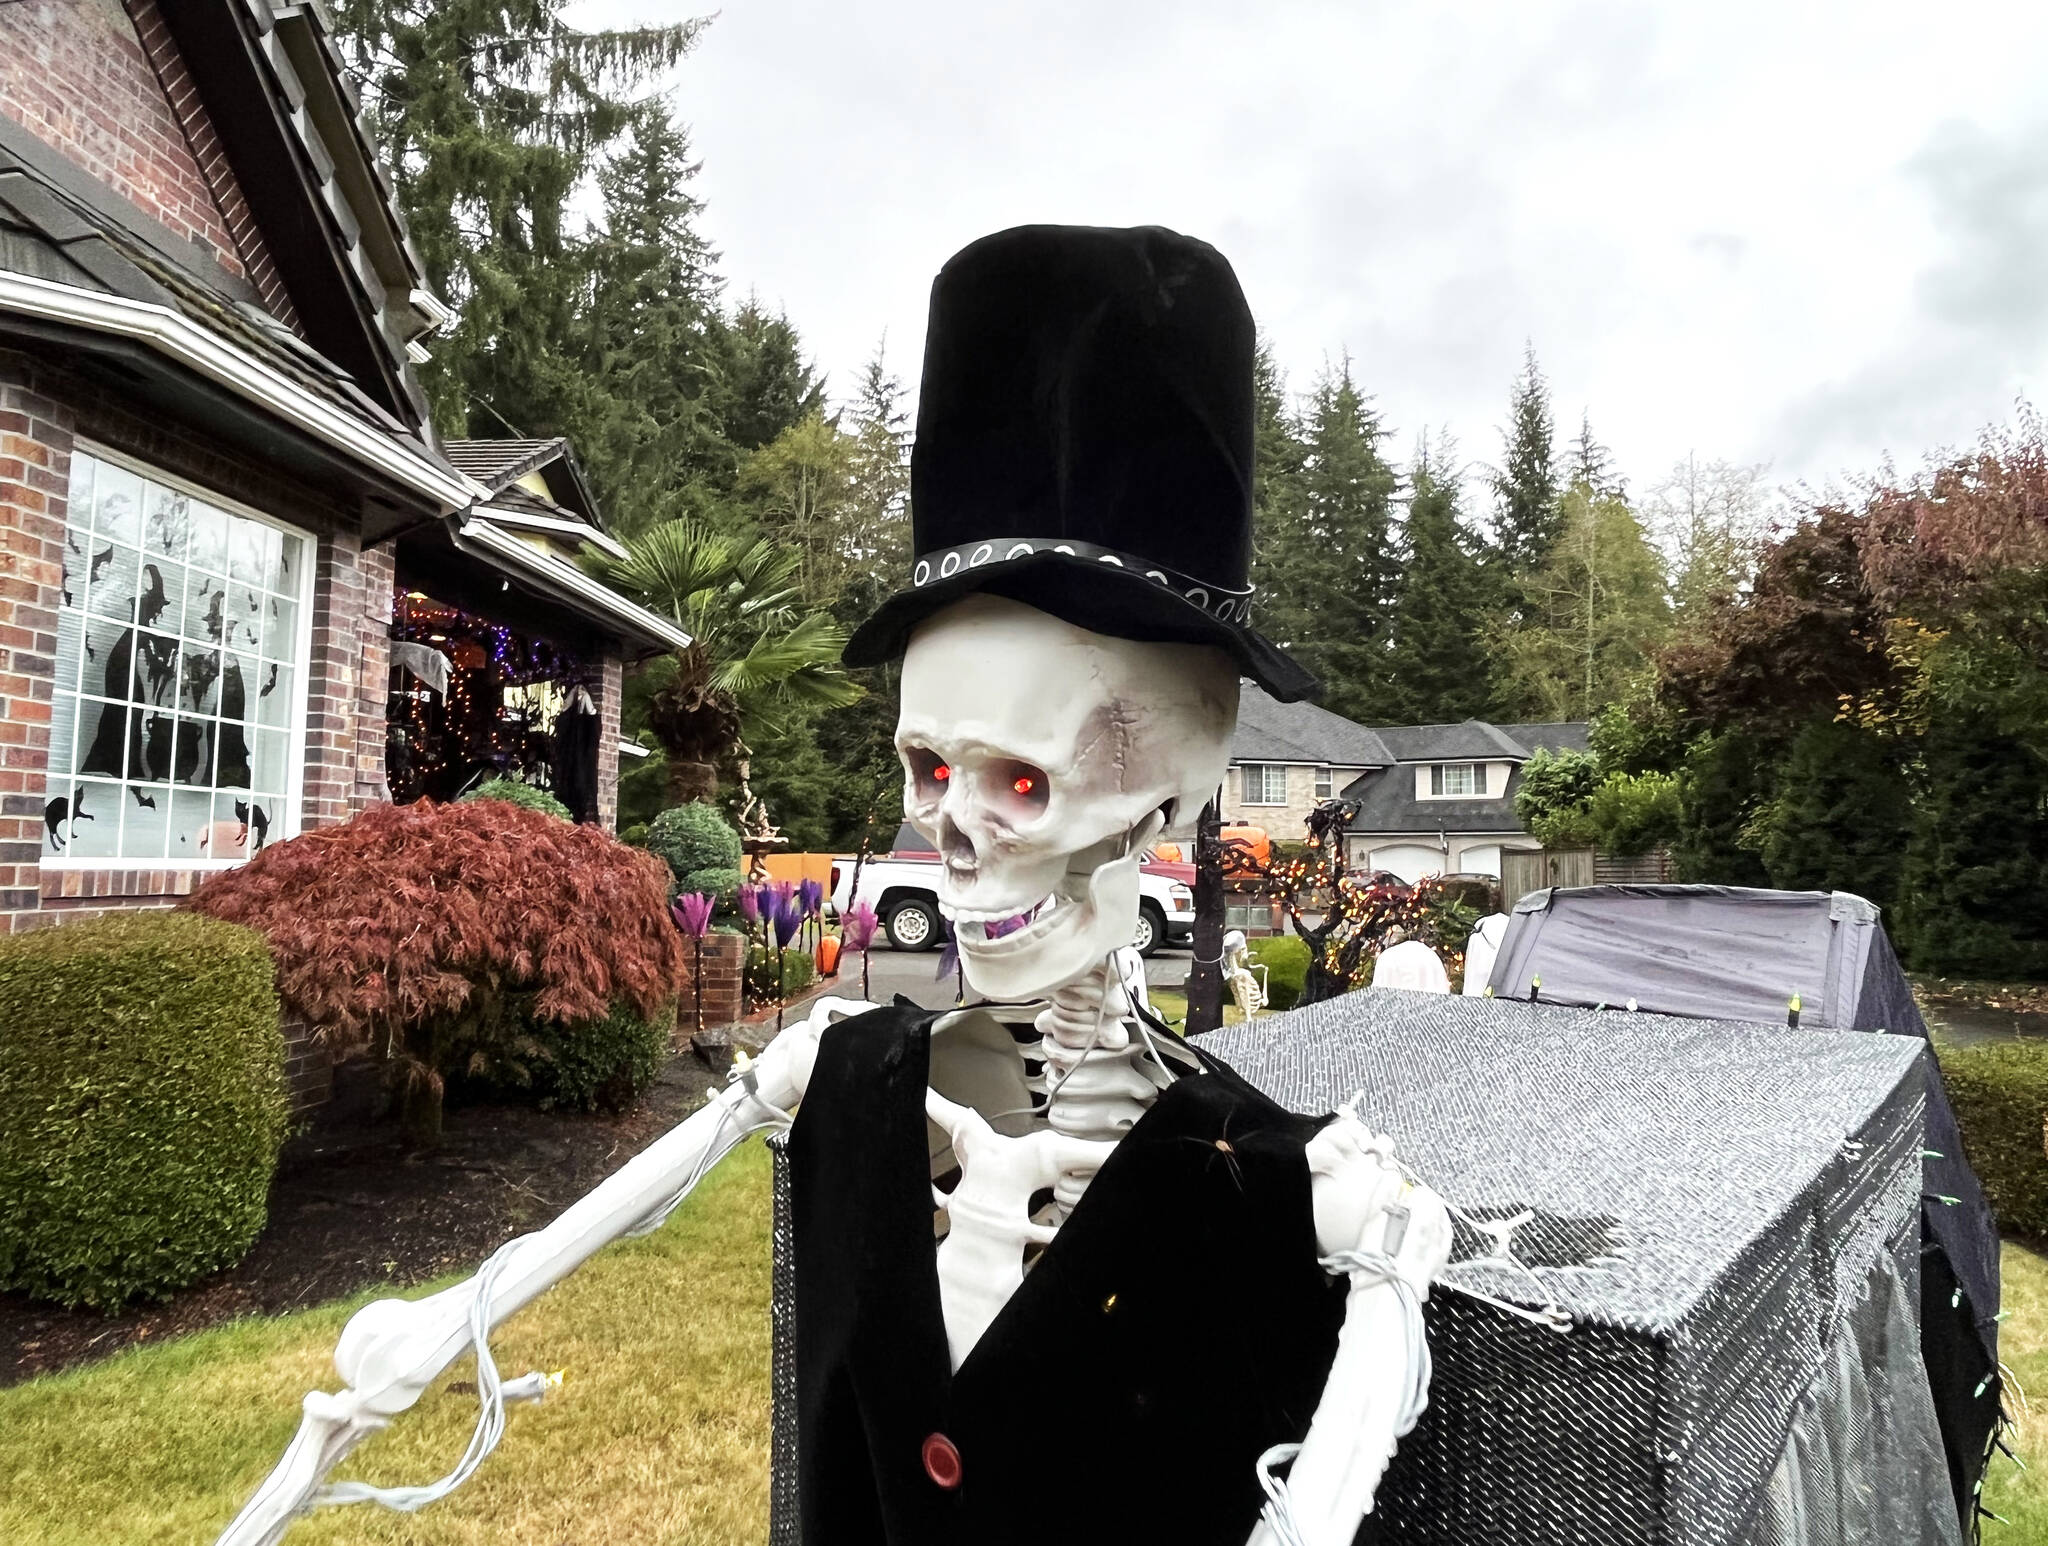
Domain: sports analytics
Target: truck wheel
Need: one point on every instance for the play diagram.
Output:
(913, 925)
(1151, 928)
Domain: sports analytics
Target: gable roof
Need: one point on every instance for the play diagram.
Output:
(1271, 731)
(1554, 736)
(1471, 740)
(499, 464)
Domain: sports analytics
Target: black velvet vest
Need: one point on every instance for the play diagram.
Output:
(1177, 1326)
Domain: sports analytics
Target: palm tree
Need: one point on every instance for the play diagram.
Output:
(757, 654)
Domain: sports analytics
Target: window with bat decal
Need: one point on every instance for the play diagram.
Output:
(175, 725)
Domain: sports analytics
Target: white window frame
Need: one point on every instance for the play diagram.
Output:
(290, 817)
(1326, 784)
(1439, 778)
(1265, 770)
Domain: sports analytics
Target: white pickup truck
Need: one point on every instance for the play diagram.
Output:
(902, 887)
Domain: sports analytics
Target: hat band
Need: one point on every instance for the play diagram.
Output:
(1227, 604)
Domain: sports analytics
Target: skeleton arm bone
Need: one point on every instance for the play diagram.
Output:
(393, 1349)
(1362, 1203)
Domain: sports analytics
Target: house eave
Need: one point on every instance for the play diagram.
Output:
(579, 531)
(179, 338)
(483, 540)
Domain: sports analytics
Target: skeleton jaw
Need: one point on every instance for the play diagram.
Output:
(1026, 952)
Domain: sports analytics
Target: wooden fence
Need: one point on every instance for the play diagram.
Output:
(1523, 870)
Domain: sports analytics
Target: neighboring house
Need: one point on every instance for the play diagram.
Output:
(217, 475)
(1288, 757)
(1433, 799)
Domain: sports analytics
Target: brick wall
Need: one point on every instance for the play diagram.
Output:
(724, 955)
(350, 680)
(35, 472)
(74, 74)
(608, 743)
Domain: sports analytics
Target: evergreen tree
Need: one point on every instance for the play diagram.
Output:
(1723, 784)
(1841, 814)
(1436, 667)
(762, 384)
(494, 114)
(801, 484)
(1332, 568)
(1973, 899)
(1278, 455)
(1591, 615)
(1525, 491)
(1593, 463)
(876, 538)
(656, 451)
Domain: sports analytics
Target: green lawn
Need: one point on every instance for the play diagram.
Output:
(659, 1437)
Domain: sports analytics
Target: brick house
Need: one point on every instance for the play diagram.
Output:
(223, 510)
(1432, 799)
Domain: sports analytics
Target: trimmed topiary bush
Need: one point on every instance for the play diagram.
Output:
(437, 934)
(2000, 1093)
(513, 792)
(700, 848)
(141, 1104)
(1285, 957)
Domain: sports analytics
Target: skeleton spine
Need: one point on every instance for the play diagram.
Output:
(1097, 1085)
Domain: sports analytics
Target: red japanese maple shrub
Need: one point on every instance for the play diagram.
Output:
(437, 934)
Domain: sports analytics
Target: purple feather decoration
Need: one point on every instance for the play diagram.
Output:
(857, 928)
(750, 904)
(810, 895)
(692, 913)
(787, 919)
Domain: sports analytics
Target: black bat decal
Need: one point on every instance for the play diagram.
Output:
(270, 683)
(100, 561)
(147, 801)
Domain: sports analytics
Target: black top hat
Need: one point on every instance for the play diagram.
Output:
(1084, 444)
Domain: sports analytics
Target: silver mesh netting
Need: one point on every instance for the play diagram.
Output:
(1730, 1217)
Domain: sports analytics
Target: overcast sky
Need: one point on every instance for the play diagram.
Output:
(1807, 235)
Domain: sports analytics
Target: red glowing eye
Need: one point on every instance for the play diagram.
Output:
(1025, 785)
(942, 772)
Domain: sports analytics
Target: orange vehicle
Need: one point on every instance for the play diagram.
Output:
(1253, 839)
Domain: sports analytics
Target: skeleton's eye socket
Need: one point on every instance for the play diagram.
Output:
(928, 772)
(1019, 786)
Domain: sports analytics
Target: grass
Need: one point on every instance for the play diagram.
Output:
(659, 1435)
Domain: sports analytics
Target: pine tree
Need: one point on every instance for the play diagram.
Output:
(1436, 667)
(876, 539)
(1278, 454)
(1593, 464)
(1525, 491)
(762, 383)
(1841, 814)
(1331, 567)
(494, 115)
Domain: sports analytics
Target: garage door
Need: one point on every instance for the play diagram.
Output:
(1410, 861)
(1481, 861)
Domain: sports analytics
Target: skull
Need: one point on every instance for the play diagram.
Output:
(1042, 760)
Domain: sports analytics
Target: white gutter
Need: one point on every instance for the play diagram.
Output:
(178, 337)
(567, 577)
(582, 531)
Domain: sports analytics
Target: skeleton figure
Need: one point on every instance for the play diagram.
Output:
(1041, 758)
(1246, 988)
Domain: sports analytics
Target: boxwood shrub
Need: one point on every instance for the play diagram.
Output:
(700, 847)
(141, 1104)
(1286, 961)
(799, 971)
(579, 1065)
(517, 792)
(2000, 1093)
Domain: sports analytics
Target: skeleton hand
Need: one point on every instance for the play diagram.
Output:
(1368, 1215)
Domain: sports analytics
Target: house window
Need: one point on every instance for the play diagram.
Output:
(1458, 778)
(1265, 783)
(1324, 782)
(180, 670)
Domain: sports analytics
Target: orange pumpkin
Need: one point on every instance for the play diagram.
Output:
(827, 956)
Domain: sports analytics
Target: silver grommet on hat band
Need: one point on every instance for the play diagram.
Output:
(1227, 604)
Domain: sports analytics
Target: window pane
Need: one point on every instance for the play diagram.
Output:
(111, 571)
(285, 577)
(268, 772)
(200, 690)
(154, 751)
(274, 698)
(145, 820)
(209, 538)
(86, 821)
(70, 636)
(116, 506)
(245, 551)
(167, 526)
(155, 658)
(101, 738)
(243, 616)
(191, 825)
(281, 628)
(192, 763)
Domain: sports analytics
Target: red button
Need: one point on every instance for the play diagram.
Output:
(942, 1461)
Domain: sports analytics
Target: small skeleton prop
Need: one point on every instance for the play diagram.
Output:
(1246, 987)
(1104, 1174)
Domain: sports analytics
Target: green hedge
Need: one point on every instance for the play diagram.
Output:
(602, 1063)
(141, 1104)
(1286, 961)
(513, 792)
(798, 972)
(2000, 1093)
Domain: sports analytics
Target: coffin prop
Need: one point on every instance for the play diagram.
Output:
(1727, 1217)
(1733, 953)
